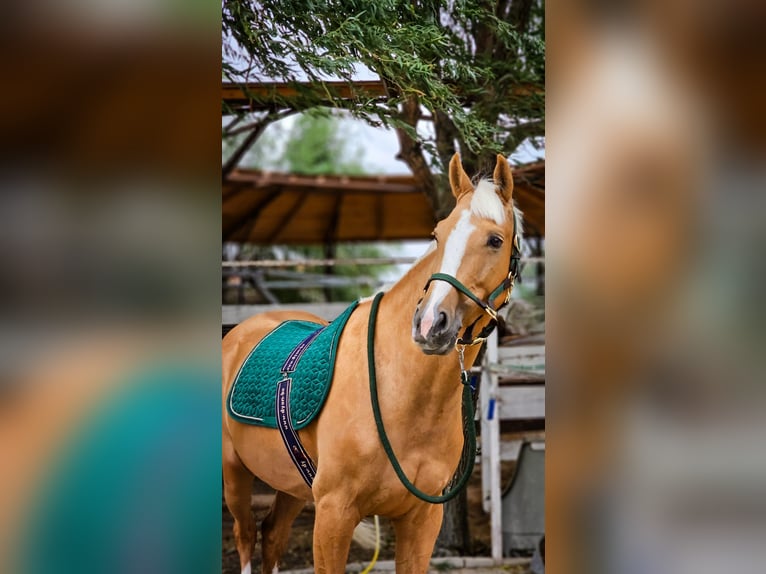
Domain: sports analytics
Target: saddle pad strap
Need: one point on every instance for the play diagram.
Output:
(295, 355)
(300, 457)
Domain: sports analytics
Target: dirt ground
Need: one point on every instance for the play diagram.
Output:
(299, 550)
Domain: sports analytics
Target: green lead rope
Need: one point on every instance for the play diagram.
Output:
(468, 455)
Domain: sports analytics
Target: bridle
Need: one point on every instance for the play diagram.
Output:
(487, 306)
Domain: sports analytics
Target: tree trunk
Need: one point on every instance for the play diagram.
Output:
(453, 538)
(411, 152)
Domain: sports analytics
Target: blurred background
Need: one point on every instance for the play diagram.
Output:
(655, 148)
(109, 247)
(111, 251)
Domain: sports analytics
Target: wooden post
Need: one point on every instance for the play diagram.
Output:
(485, 432)
(493, 426)
(538, 252)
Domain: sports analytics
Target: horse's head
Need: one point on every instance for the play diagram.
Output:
(476, 261)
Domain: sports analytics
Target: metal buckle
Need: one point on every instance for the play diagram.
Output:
(460, 353)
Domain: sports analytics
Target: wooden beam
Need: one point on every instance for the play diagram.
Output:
(332, 227)
(379, 215)
(286, 219)
(245, 219)
(390, 183)
(272, 263)
(325, 183)
(263, 95)
(234, 159)
(252, 94)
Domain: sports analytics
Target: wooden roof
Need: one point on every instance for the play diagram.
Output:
(275, 208)
(255, 96)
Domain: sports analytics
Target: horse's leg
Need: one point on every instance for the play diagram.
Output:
(237, 490)
(333, 529)
(416, 534)
(275, 529)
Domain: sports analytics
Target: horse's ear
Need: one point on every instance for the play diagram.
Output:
(503, 178)
(458, 180)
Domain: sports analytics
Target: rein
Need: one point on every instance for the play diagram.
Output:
(468, 456)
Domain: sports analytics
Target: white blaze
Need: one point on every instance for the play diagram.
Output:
(454, 250)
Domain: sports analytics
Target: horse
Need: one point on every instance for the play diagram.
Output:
(467, 277)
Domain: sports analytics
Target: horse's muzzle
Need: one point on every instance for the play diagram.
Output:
(435, 335)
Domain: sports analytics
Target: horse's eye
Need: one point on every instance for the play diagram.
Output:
(495, 241)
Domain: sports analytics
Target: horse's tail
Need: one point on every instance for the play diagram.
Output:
(366, 535)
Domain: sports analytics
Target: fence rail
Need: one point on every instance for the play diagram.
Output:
(273, 264)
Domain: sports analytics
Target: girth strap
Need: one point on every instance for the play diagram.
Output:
(293, 444)
(298, 454)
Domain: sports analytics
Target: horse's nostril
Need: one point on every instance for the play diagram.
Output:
(441, 323)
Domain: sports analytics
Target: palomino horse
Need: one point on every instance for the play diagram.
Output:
(467, 277)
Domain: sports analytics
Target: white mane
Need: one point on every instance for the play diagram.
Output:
(487, 204)
(519, 223)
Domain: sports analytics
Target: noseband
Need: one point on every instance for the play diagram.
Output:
(488, 305)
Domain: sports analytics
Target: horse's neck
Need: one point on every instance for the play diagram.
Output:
(423, 384)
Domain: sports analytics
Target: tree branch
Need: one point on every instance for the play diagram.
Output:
(235, 157)
(519, 14)
(411, 152)
(519, 133)
(268, 119)
(446, 136)
(257, 129)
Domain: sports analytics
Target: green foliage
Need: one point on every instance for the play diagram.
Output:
(475, 69)
(317, 143)
(317, 146)
(481, 64)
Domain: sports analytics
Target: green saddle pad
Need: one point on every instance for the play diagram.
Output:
(252, 398)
